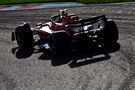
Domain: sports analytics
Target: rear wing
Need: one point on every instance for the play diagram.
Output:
(87, 21)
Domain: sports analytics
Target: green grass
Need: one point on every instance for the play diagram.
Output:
(2, 2)
(102, 1)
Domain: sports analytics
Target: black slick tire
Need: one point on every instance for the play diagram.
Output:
(110, 34)
(24, 36)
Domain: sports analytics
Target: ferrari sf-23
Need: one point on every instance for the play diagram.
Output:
(66, 32)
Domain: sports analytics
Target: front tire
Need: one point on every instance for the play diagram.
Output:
(24, 36)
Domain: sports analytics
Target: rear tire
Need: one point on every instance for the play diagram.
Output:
(24, 36)
(110, 33)
(60, 43)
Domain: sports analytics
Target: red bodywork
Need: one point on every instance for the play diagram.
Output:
(58, 25)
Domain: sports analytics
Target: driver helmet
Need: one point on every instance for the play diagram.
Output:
(63, 12)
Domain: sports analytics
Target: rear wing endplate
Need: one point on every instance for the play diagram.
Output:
(87, 21)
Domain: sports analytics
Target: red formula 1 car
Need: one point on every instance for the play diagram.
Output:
(65, 31)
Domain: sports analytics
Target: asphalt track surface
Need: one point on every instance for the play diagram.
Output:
(111, 68)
